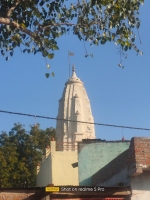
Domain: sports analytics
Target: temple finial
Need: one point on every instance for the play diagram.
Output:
(73, 72)
(73, 68)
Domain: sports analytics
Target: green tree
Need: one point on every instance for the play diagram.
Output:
(35, 25)
(40, 138)
(20, 153)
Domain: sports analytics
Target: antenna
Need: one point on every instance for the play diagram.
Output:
(123, 138)
(69, 54)
(35, 121)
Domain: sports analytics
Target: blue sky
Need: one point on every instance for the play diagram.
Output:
(118, 96)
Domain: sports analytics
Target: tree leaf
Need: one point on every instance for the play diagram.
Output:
(48, 66)
(47, 75)
(44, 53)
(50, 55)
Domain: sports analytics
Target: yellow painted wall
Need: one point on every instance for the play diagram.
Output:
(57, 168)
(44, 175)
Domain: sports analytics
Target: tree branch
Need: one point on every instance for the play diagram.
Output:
(12, 8)
(7, 21)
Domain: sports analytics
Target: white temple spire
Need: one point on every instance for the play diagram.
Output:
(74, 105)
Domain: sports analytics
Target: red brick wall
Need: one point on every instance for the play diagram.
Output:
(16, 196)
(23, 193)
(141, 147)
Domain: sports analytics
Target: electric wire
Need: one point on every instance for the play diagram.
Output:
(69, 120)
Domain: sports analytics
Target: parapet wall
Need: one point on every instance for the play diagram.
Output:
(94, 155)
(57, 168)
(131, 162)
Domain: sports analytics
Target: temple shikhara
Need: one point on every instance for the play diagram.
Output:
(74, 107)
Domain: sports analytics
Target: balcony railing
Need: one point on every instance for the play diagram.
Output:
(66, 146)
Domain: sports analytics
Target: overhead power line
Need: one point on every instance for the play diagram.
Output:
(54, 118)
